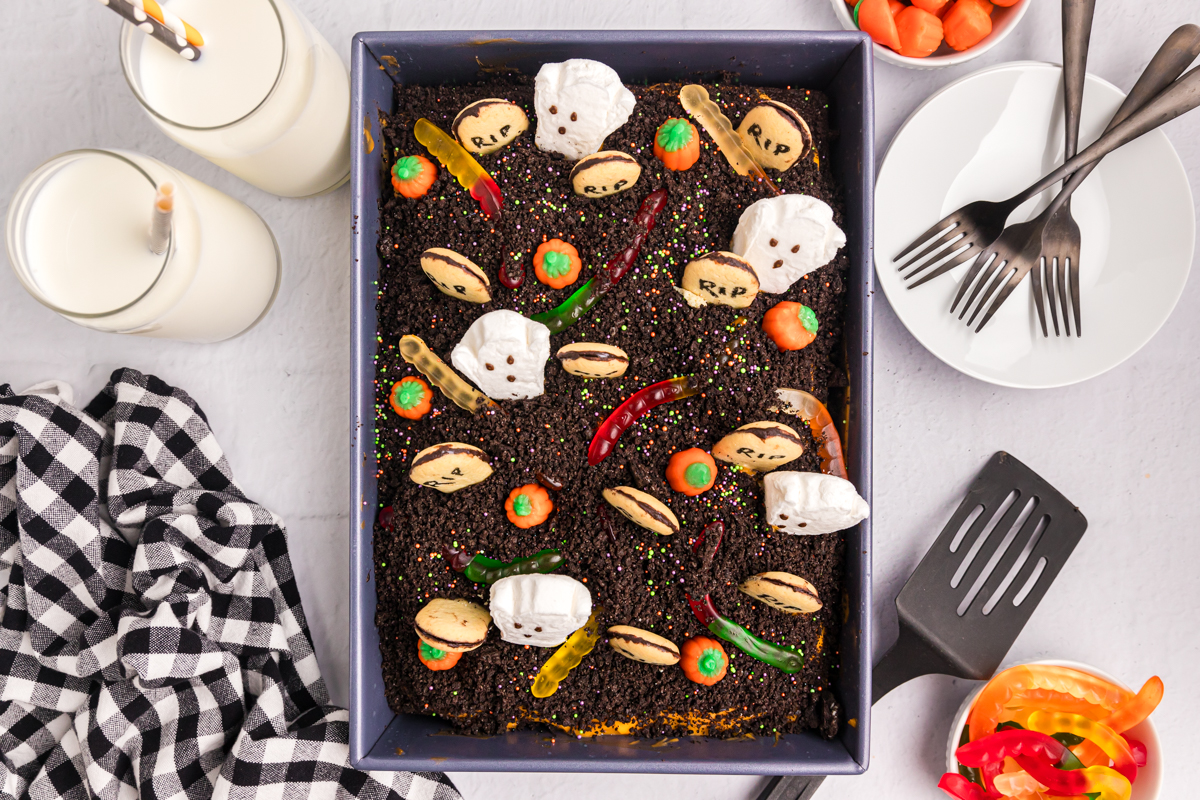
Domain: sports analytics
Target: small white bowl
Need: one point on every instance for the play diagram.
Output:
(1149, 777)
(1003, 21)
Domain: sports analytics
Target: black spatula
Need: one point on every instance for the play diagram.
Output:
(971, 595)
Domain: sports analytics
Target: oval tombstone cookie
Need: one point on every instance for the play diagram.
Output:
(760, 446)
(644, 646)
(776, 135)
(605, 173)
(782, 590)
(450, 466)
(593, 360)
(724, 278)
(456, 626)
(456, 275)
(642, 509)
(487, 125)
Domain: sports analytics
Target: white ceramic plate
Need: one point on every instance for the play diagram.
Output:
(988, 136)
(1003, 21)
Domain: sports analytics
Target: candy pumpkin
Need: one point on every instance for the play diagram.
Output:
(437, 660)
(556, 263)
(792, 326)
(528, 505)
(691, 472)
(410, 397)
(677, 144)
(413, 175)
(703, 660)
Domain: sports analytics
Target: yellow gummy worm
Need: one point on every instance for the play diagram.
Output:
(567, 657)
(461, 393)
(696, 102)
(452, 155)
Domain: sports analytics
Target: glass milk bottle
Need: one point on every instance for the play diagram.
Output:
(80, 238)
(268, 99)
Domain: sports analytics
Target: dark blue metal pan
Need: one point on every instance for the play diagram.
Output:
(839, 64)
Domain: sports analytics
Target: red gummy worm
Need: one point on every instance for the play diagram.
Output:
(514, 279)
(710, 539)
(606, 522)
(457, 558)
(619, 264)
(487, 193)
(638, 404)
(704, 609)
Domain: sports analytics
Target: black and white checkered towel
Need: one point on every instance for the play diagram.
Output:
(152, 642)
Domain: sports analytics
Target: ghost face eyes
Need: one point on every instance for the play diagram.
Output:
(562, 128)
(774, 243)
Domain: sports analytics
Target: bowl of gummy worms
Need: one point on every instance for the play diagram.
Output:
(1050, 729)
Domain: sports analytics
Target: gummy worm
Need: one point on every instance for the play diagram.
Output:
(606, 521)
(416, 352)
(567, 657)
(1012, 682)
(574, 307)
(961, 788)
(781, 658)
(820, 424)
(1104, 737)
(513, 279)
(716, 530)
(481, 569)
(694, 99)
(459, 163)
(638, 404)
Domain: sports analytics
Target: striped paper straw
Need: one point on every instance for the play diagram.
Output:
(149, 16)
(160, 223)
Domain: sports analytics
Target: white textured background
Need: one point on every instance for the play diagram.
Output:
(1124, 446)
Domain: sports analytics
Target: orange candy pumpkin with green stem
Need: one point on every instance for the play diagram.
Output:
(703, 660)
(791, 326)
(410, 397)
(556, 264)
(437, 660)
(528, 505)
(413, 175)
(691, 472)
(677, 144)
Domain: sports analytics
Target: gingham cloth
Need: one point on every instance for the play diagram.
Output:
(152, 642)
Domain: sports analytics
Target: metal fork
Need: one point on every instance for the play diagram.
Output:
(964, 233)
(1021, 247)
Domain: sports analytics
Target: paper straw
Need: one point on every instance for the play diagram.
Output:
(149, 16)
(160, 223)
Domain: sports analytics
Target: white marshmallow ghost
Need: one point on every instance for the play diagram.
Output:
(578, 102)
(784, 238)
(539, 610)
(812, 503)
(505, 354)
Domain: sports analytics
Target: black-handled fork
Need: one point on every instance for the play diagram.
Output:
(1022, 247)
(963, 234)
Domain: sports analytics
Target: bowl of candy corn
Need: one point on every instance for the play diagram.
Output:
(1055, 729)
(926, 34)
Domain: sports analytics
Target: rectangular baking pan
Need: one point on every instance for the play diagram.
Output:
(837, 63)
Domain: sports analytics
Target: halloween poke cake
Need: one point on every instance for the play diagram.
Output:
(610, 317)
